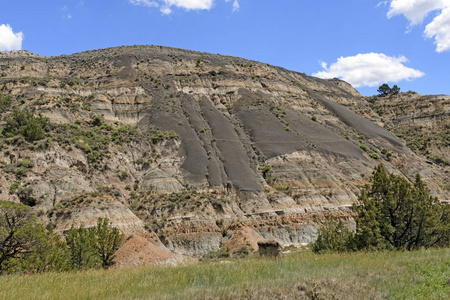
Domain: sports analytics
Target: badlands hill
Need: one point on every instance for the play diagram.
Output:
(190, 152)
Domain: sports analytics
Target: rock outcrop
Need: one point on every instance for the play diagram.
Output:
(202, 150)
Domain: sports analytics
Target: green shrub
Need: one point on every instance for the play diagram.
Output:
(24, 122)
(106, 127)
(93, 247)
(13, 188)
(374, 155)
(159, 135)
(437, 159)
(33, 131)
(5, 102)
(199, 60)
(333, 236)
(266, 170)
(364, 147)
(391, 214)
(97, 120)
(25, 244)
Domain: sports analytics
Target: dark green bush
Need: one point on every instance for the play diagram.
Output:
(27, 124)
(391, 214)
(5, 102)
(334, 236)
(25, 244)
(266, 170)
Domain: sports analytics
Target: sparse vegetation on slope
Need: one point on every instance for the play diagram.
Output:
(262, 152)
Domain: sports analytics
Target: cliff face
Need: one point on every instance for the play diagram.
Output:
(204, 149)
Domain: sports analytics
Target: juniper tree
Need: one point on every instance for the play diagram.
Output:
(20, 233)
(93, 247)
(391, 213)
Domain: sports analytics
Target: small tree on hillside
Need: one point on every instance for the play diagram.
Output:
(107, 240)
(383, 90)
(93, 247)
(20, 233)
(81, 248)
(26, 123)
(395, 90)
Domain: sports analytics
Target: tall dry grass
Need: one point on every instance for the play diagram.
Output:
(392, 275)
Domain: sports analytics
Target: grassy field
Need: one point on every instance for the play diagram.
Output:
(301, 275)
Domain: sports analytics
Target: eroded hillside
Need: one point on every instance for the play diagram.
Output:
(208, 151)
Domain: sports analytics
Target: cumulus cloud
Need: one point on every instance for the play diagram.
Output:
(369, 69)
(10, 40)
(440, 29)
(166, 6)
(416, 11)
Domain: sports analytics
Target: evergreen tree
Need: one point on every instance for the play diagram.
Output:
(80, 242)
(107, 240)
(93, 247)
(21, 236)
(50, 254)
(391, 213)
(26, 123)
(334, 236)
(395, 90)
(383, 90)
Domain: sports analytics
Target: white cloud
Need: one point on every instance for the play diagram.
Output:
(166, 6)
(416, 11)
(235, 4)
(190, 4)
(147, 3)
(369, 69)
(10, 40)
(440, 29)
(166, 11)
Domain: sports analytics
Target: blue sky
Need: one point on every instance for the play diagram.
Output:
(365, 42)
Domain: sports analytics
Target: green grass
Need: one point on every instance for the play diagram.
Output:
(385, 275)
